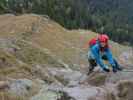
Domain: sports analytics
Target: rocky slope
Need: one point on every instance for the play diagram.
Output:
(41, 60)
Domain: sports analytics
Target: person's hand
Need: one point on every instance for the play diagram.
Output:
(106, 69)
(114, 68)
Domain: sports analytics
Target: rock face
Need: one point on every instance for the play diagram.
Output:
(44, 94)
(85, 92)
(125, 89)
(4, 85)
(76, 90)
(100, 86)
(97, 79)
(21, 87)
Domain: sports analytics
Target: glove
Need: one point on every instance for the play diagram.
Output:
(119, 68)
(106, 69)
(114, 68)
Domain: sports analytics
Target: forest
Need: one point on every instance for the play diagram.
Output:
(113, 17)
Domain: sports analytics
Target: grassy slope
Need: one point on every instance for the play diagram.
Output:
(45, 33)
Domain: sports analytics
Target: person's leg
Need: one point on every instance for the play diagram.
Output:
(92, 62)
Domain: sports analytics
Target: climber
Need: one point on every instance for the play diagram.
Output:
(99, 51)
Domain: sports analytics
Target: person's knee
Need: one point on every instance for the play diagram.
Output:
(92, 62)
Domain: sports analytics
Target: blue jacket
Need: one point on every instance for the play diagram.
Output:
(95, 50)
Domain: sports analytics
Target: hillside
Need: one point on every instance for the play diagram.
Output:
(44, 33)
(37, 54)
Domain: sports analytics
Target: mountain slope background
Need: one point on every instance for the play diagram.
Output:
(45, 33)
(38, 55)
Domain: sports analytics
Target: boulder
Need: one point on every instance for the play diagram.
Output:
(21, 87)
(125, 88)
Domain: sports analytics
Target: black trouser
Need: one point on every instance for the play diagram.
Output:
(92, 64)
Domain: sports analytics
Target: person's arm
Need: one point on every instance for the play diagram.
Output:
(98, 58)
(110, 57)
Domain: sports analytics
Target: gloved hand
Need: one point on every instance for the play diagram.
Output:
(118, 67)
(106, 69)
(114, 68)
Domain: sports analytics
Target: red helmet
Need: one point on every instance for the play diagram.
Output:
(103, 38)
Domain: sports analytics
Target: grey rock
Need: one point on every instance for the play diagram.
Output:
(20, 87)
(45, 94)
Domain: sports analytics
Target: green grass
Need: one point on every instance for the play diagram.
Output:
(32, 55)
(4, 95)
